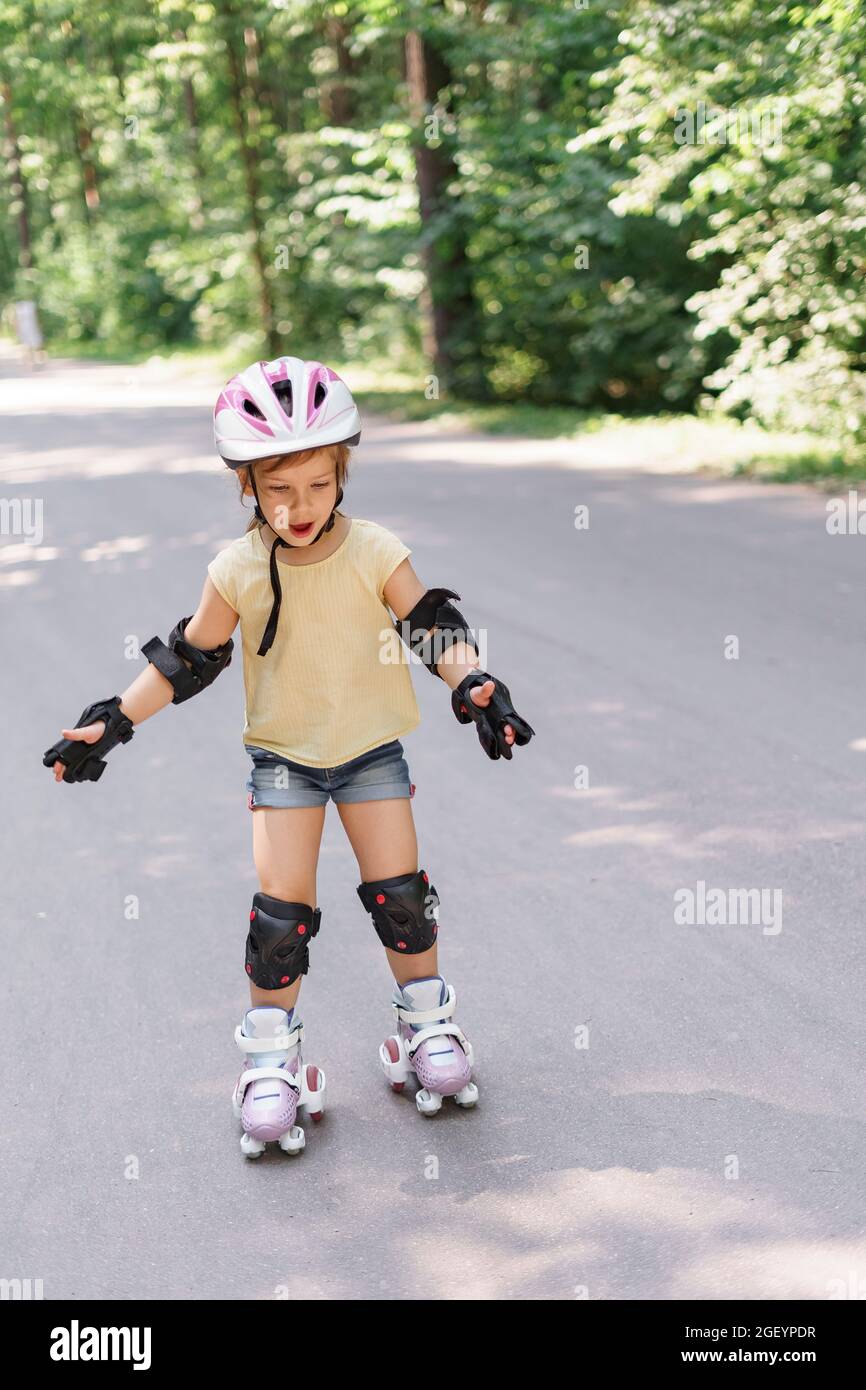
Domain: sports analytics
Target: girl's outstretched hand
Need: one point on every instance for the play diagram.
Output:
(79, 756)
(481, 694)
(91, 733)
(485, 701)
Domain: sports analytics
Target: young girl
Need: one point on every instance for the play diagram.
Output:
(328, 693)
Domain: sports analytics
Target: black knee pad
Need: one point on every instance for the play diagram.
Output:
(403, 911)
(277, 942)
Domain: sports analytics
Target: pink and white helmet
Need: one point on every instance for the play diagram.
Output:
(281, 407)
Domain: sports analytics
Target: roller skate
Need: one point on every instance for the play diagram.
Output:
(426, 1043)
(275, 1082)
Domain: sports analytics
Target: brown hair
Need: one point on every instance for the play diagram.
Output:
(339, 454)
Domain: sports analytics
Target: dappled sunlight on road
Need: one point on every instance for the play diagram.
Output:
(666, 1233)
(109, 554)
(16, 554)
(683, 841)
(823, 1268)
(28, 461)
(121, 545)
(17, 579)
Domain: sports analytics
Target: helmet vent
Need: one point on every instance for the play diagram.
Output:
(252, 409)
(283, 392)
(320, 394)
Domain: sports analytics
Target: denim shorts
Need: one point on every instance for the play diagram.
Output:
(378, 775)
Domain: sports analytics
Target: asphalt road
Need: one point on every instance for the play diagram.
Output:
(667, 1110)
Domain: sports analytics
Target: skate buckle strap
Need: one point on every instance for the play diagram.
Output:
(271, 1073)
(281, 1043)
(440, 1030)
(442, 1011)
(435, 1019)
(251, 1074)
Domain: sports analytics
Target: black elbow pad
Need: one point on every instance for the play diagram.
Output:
(206, 665)
(434, 610)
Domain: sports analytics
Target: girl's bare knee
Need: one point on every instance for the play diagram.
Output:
(289, 890)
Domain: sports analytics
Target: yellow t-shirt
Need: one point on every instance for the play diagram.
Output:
(321, 695)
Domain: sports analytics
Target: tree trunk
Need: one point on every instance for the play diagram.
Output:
(193, 138)
(117, 70)
(251, 182)
(81, 132)
(17, 181)
(251, 70)
(84, 143)
(338, 99)
(448, 304)
(193, 141)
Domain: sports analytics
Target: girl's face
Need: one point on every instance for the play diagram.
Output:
(298, 498)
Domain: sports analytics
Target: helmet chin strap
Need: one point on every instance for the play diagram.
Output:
(276, 588)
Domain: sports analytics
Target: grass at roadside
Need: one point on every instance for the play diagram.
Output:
(185, 359)
(716, 443)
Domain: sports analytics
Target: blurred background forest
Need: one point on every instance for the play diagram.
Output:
(563, 205)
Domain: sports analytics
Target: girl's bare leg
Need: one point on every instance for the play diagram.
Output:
(382, 836)
(286, 843)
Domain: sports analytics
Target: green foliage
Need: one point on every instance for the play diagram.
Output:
(637, 206)
(772, 182)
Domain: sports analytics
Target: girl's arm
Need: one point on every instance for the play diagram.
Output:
(402, 592)
(211, 626)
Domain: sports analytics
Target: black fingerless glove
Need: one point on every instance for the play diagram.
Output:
(490, 720)
(85, 762)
